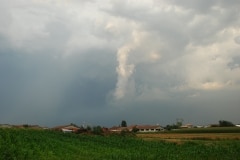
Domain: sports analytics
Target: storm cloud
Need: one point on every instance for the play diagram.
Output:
(100, 62)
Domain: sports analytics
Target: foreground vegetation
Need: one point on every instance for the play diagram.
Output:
(44, 144)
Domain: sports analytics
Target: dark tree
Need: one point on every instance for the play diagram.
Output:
(135, 129)
(89, 128)
(97, 130)
(25, 125)
(124, 123)
(171, 127)
(223, 123)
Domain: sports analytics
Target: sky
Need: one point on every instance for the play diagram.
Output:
(100, 62)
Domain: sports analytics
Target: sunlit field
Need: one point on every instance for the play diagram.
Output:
(45, 144)
(195, 134)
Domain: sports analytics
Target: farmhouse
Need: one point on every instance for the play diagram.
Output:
(67, 128)
(116, 129)
(187, 126)
(119, 129)
(5, 126)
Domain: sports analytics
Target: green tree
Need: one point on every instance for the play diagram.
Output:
(124, 123)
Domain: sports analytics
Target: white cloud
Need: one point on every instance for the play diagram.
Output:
(211, 85)
(196, 55)
(124, 69)
(206, 67)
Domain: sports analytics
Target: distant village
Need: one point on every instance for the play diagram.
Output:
(123, 127)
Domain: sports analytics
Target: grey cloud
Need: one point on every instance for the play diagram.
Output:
(235, 63)
(58, 61)
(237, 39)
(199, 110)
(204, 6)
(41, 84)
(92, 81)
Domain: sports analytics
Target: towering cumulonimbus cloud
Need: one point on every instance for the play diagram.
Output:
(124, 69)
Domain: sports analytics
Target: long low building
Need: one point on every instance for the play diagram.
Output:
(149, 128)
(139, 128)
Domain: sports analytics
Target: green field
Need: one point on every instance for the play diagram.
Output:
(43, 144)
(208, 130)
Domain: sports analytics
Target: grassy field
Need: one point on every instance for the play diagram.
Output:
(43, 144)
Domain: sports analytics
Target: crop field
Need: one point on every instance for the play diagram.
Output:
(201, 134)
(209, 130)
(44, 144)
(179, 138)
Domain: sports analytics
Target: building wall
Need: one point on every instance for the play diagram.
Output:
(149, 130)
